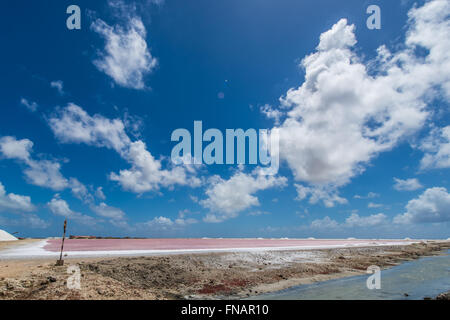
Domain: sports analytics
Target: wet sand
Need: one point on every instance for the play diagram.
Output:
(230, 275)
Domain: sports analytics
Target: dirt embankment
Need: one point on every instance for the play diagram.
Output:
(193, 276)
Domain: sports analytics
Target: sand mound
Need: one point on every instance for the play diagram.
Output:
(5, 236)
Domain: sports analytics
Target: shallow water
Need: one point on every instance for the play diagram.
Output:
(425, 277)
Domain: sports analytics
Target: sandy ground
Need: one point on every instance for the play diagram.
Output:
(12, 244)
(197, 276)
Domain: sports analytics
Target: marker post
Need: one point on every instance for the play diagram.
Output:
(60, 262)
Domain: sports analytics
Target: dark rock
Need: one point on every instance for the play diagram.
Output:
(443, 296)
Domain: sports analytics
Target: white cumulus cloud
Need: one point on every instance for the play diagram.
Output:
(60, 207)
(74, 125)
(407, 185)
(106, 211)
(337, 120)
(43, 173)
(437, 149)
(431, 206)
(28, 220)
(327, 195)
(226, 198)
(126, 57)
(14, 202)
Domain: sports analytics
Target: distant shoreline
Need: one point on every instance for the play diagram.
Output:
(108, 248)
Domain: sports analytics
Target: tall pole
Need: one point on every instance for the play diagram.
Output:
(60, 262)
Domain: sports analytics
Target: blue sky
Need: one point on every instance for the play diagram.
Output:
(87, 116)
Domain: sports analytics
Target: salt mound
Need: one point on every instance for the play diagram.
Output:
(5, 236)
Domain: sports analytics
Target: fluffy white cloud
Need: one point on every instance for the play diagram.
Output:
(60, 207)
(437, 149)
(160, 223)
(74, 125)
(167, 224)
(325, 194)
(372, 205)
(34, 222)
(11, 148)
(183, 220)
(114, 215)
(431, 206)
(146, 173)
(226, 198)
(340, 36)
(370, 221)
(337, 120)
(106, 211)
(44, 173)
(407, 185)
(325, 223)
(354, 220)
(272, 113)
(80, 191)
(99, 193)
(27, 220)
(14, 202)
(126, 57)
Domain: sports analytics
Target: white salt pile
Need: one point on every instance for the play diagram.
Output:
(5, 236)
